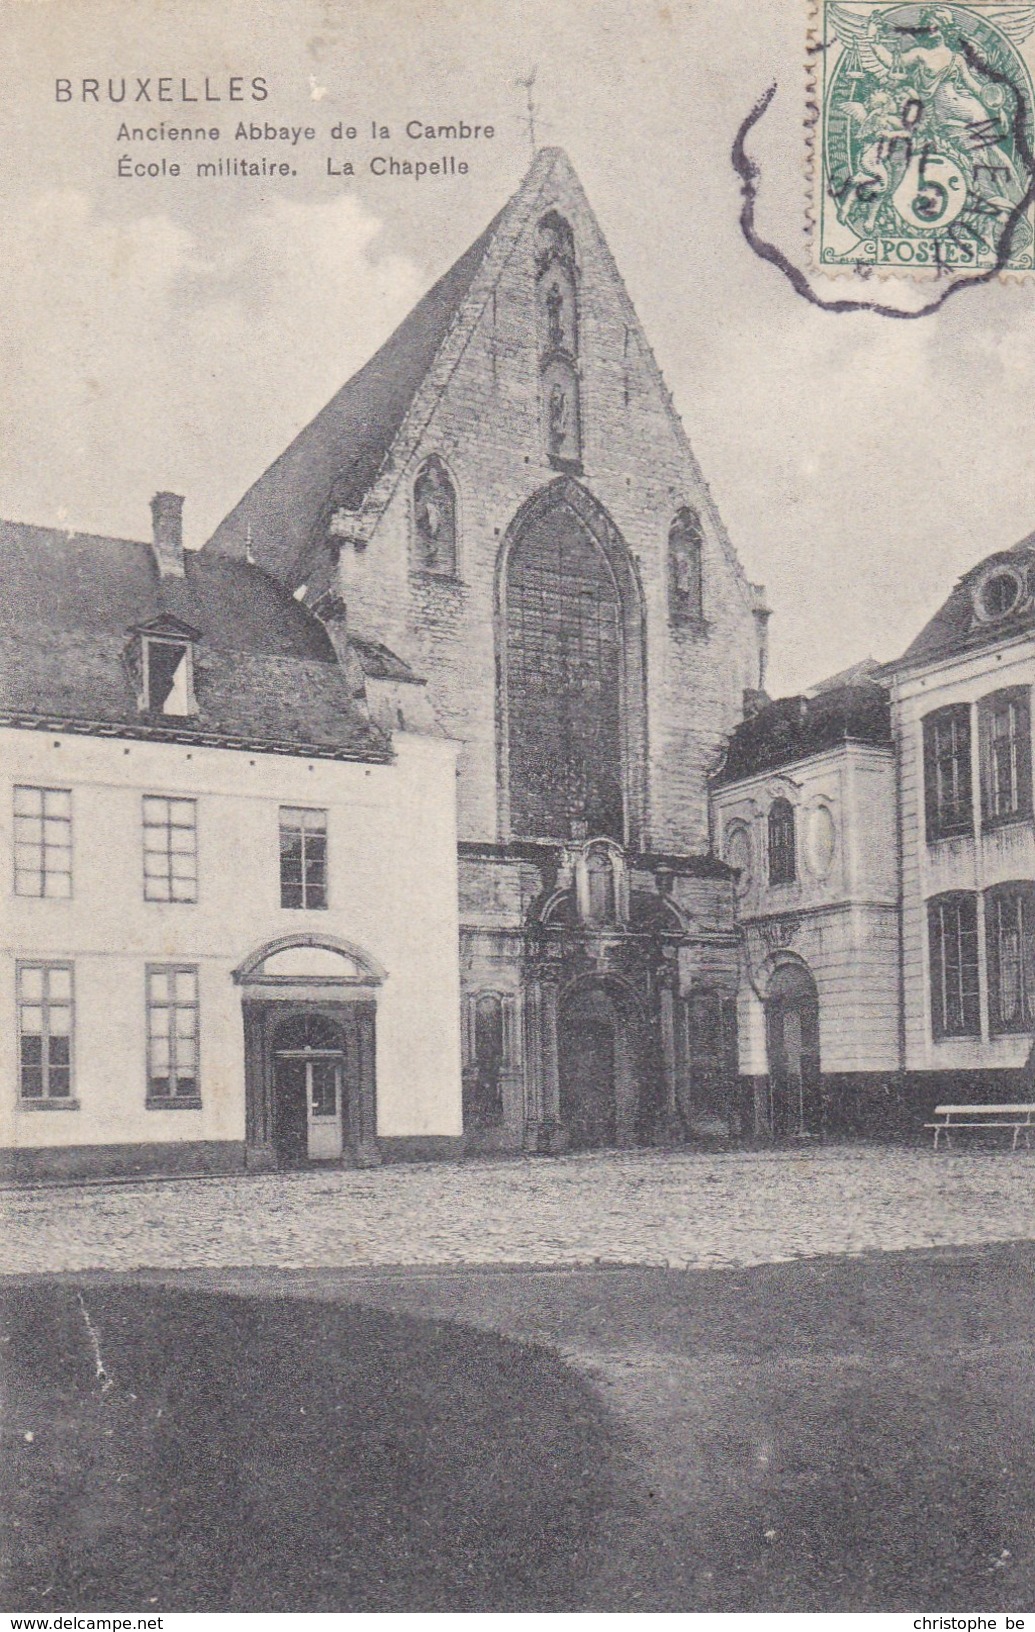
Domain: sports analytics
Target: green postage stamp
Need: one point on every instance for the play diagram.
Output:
(924, 150)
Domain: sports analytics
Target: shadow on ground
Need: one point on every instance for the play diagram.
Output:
(836, 1434)
(260, 1455)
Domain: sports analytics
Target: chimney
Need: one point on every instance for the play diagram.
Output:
(754, 702)
(167, 520)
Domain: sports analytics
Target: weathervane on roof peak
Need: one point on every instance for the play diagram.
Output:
(528, 85)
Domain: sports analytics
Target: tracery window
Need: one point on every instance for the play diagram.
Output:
(434, 518)
(564, 664)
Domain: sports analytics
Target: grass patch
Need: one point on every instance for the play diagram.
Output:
(265, 1455)
(834, 1434)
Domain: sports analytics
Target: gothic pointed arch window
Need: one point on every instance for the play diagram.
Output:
(557, 321)
(435, 518)
(563, 653)
(686, 568)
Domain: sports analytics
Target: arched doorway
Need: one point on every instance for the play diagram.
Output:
(599, 1069)
(309, 1007)
(792, 1045)
(310, 1109)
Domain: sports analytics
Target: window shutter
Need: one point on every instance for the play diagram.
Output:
(993, 910)
(1028, 953)
(936, 953)
(931, 780)
(971, 1017)
(986, 726)
(964, 815)
(1023, 701)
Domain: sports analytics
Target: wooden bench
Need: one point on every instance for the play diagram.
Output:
(1021, 1118)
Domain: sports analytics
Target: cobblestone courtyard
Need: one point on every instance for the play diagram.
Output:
(682, 1210)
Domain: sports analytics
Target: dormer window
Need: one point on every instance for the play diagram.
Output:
(161, 657)
(1000, 591)
(167, 677)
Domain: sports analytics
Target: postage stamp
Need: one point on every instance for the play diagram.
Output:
(924, 141)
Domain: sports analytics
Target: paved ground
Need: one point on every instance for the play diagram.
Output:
(669, 1209)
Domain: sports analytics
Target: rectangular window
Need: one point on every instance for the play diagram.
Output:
(782, 846)
(303, 857)
(43, 842)
(170, 849)
(1010, 942)
(953, 947)
(172, 1033)
(948, 783)
(45, 1031)
(1005, 720)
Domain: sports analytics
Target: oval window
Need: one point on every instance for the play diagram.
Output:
(1000, 593)
(822, 841)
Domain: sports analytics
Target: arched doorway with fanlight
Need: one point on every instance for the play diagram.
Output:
(792, 1046)
(310, 1098)
(309, 1007)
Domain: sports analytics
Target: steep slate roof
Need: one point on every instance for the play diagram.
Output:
(954, 627)
(381, 664)
(793, 728)
(866, 669)
(344, 447)
(265, 672)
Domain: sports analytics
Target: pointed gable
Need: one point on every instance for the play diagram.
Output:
(397, 512)
(166, 625)
(334, 463)
(339, 453)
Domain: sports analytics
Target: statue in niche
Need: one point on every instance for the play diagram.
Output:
(555, 240)
(558, 426)
(434, 512)
(555, 317)
(685, 540)
(600, 880)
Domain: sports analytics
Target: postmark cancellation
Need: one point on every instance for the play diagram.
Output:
(922, 137)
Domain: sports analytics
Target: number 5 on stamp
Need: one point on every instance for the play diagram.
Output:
(924, 153)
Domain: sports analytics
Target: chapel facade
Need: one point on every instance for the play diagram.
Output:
(500, 521)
